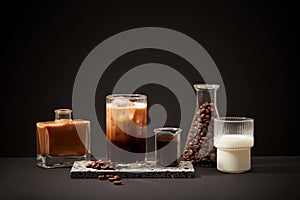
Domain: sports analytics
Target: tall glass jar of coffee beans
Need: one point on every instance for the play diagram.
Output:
(199, 147)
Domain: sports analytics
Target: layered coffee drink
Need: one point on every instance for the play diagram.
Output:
(126, 131)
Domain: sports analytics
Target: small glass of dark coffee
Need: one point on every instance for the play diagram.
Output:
(167, 146)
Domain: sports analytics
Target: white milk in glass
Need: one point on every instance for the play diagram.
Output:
(233, 152)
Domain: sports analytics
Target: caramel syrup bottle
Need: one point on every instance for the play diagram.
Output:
(62, 141)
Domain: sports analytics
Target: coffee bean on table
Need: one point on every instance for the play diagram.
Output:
(118, 182)
(93, 164)
(104, 167)
(102, 177)
(111, 179)
(99, 162)
(110, 167)
(114, 178)
(97, 166)
(88, 165)
(101, 165)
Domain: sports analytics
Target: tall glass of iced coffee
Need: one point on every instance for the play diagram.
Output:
(126, 129)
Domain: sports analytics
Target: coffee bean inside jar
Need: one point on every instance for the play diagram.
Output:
(199, 148)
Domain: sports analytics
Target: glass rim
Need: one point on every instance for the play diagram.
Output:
(168, 128)
(233, 119)
(204, 86)
(133, 96)
(63, 110)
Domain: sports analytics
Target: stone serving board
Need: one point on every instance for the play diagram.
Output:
(185, 169)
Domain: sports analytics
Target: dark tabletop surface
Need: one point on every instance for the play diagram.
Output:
(269, 178)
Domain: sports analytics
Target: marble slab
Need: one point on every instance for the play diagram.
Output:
(185, 169)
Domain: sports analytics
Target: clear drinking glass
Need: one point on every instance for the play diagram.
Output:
(233, 138)
(63, 141)
(167, 146)
(126, 128)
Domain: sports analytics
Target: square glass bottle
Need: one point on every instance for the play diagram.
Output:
(62, 141)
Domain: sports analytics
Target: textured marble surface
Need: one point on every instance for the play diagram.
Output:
(185, 169)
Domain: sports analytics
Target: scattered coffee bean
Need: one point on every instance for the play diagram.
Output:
(114, 178)
(93, 164)
(99, 164)
(111, 179)
(117, 177)
(104, 167)
(88, 165)
(119, 182)
(102, 177)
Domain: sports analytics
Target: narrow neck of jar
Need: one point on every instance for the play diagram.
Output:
(63, 114)
(206, 93)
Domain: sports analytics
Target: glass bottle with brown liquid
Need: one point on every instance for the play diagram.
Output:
(63, 141)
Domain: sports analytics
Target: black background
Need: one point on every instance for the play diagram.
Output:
(254, 45)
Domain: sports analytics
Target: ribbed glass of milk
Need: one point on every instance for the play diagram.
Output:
(233, 138)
